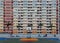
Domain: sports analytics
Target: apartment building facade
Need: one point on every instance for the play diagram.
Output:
(29, 16)
(59, 15)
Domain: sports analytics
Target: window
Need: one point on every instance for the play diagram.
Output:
(20, 1)
(29, 18)
(20, 32)
(48, 7)
(18, 21)
(39, 0)
(21, 15)
(38, 12)
(48, 15)
(48, 12)
(38, 21)
(22, 4)
(29, 21)
(49, 32)
(21, 18)
(49, 18)
(47, 21)
(29, 1)
(29, 4)
(18, 16)
(39, 7)
(20, 12)
(30, 25)
(29, 15)
(49, 4)
(29, 7)
(47, 24)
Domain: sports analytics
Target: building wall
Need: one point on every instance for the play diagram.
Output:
(59, 16)
(33, 12)
(1, 15)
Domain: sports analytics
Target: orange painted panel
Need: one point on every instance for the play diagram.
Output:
(44, 31)
(1, 30)
(24, 31)
(15, 31)
(34, 31)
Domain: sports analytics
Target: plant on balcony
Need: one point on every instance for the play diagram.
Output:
(40, 25)
(51, 25)
(19, 26)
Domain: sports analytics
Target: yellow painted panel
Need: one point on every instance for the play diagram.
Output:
(53, 21)
(15, 19)
(53, 27)
(1, 19)
(15, 24)
(54, 24)
(1, 24)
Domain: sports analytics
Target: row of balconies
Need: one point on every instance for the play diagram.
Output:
(54, 15)
(37, 12)
(7, 25)
(32, 31)
(8, 1)
(33, 28)
(30, 18)
(34, 16)
(33, 22)
(26, 27)
(16, 20)
(34, 12)
(45, 24)
(37, 3)
(22, 8)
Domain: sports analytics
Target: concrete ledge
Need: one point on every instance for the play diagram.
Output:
(5, 35)
(30, 35)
